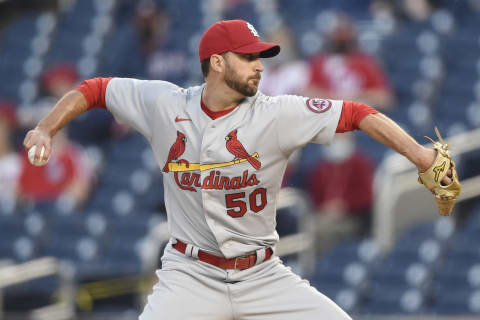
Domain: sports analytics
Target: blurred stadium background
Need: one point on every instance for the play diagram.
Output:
(61, 260)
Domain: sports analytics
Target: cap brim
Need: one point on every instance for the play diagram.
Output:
(267, 50)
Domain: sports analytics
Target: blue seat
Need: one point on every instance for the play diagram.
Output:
(45, 208)
(346, 251)
(73, 249)
(330, 290)
(389, 299)
(92, 270)
(124, 264)
(453, 274)
(153, 199)
(83, 8)
(242, 10)
(20, 32)
(129, 148)
(462, 249)
(393, 268)
(122, 254)
(75, 22)
(287, 222)
(452, 101)
(466, 48)
(72, 226)
(472, 226)
(330, 267)
(102, 199)
(97, 224)
(18, 247)
(132, 225)
(111, 175)
(402, 83)
(453, 302)
(184, 15)
(12, 225)
(417, 233)
(31, 294)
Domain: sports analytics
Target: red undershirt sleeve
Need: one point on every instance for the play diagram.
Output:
(94, 92)
(352, 113)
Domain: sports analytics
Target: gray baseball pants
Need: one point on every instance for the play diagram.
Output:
(191, 289)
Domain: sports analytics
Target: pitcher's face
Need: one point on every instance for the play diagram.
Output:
(243, 72)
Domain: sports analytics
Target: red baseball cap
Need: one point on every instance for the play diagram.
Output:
(237, 36)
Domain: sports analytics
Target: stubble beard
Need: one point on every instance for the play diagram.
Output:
(232, 80)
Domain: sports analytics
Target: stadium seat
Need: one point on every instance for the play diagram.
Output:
(287, 222)
(453, 275)
(454, 302)
(32, 294)
(73, 249)
(388, 299)
(331, 268)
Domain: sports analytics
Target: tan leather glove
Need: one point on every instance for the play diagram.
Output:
(445, 196)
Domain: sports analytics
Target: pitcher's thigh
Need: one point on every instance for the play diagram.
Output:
(178, 296)
(286, 296)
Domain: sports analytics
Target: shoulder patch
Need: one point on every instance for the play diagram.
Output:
(319, 105)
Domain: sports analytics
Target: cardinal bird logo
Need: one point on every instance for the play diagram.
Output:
(176, 150)
(236, 148)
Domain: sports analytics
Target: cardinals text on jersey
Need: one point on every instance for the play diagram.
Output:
(190, 180)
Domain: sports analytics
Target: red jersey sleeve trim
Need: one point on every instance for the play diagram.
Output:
(94, 92)
(352, 113)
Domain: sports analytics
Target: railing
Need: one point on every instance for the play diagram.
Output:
(64, 309)
(401, 201)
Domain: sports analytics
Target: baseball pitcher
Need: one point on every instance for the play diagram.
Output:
(222, 148)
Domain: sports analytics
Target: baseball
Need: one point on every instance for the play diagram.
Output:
(31, 155)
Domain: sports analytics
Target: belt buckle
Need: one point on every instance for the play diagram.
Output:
(236, 260)
(247, 256)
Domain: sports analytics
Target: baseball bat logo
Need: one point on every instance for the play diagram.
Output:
(176, 150)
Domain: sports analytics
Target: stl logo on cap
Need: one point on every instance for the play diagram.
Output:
(237, 36)
(252, 29)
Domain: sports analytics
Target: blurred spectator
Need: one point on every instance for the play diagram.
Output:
(340, 186)
(9, 160)
(383, 8)
(66, 174)
(419, 10)
(286, 74)
(475, 5)
(235, 9)
(148, 48)
(58, 79)
(10, 10)
(410, 10)
(92, 127)
(344, 72)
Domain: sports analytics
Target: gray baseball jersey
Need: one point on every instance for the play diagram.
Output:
(221, 176)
